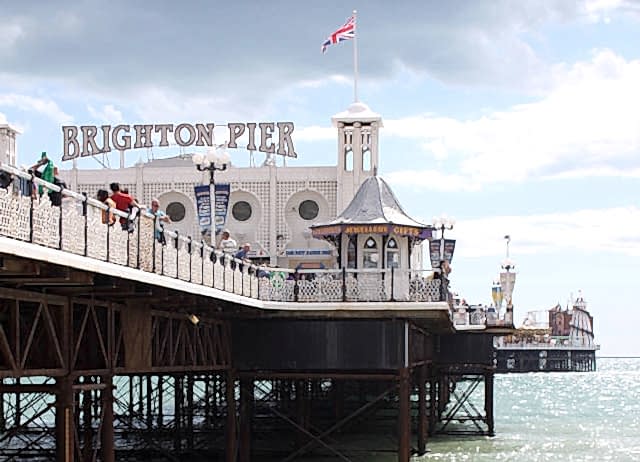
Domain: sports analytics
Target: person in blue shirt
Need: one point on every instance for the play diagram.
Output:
(161, 220)
(243, 253)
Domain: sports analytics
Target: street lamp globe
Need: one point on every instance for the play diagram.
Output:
(197, 159)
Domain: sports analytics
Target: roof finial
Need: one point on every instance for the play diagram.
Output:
(375, 171)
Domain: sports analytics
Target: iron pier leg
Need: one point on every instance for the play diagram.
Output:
(190, 435)
(422, 410)
(246, 415)
(160, 403)
(433, 398)
(404, 416)
(64, 420)
(107, 435)
(231, 417)
(177, 415)
(2, 417)
(488, 401)
(149, 402)
(87, 430)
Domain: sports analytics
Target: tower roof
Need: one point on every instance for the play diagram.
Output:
(374, 204)
(357, 112)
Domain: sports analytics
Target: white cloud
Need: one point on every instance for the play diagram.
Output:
(590, 118)
(612, 230)
(3, 118)
(44, 106)
(431, 179)
(108, 114)
(10, 33)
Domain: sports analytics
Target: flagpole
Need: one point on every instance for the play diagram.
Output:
(355, 58)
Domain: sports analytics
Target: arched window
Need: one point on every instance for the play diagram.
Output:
(366, 159)
(393, 254)
(352, 252)
(348, 160)
(370, 254)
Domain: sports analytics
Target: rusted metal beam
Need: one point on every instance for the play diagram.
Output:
(29, 296)
(404, 416)
(422, 410)
(28, 388)
(260, 375)
(64, 421)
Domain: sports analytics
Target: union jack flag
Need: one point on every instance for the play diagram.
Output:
(346, 32)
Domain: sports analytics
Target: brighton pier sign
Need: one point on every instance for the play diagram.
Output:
(88, 140)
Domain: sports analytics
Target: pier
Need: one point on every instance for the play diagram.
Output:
(116, 346)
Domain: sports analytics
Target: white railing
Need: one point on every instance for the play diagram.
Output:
(78, 226)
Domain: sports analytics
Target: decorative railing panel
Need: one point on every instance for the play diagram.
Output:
(14, 215)
(80, 226)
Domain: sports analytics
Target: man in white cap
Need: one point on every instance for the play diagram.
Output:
(228, 245)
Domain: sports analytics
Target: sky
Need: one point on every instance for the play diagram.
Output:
(515, 118)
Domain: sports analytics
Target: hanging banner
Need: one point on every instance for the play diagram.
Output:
(203, 205)
(435, 251)
(449, 247)
(222, 192)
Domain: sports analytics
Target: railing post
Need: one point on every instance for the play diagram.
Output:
(108, 230)
(85, 214)
(31, 209)
(393, 283)
(153, 245)
(138, 246)
(129, 221)
(189, 249)
(60, 222)
(163, 244)
(296, 287)
(224, 272)
(177, 245)
(344, 284)
(213, 257)
(202, 262)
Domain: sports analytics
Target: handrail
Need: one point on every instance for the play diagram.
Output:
(82, 230)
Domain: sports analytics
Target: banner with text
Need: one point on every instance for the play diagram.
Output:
(203, 205)
(435, 251)
(222, 192)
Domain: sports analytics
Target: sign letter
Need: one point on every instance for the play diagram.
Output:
(70, 135)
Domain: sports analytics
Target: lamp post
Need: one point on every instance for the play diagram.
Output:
(443, 222)
(211, 162)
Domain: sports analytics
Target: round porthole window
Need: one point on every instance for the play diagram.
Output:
(241, 211)
(308, 209)
(176, 211)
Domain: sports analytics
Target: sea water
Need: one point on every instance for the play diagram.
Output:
(558, 416)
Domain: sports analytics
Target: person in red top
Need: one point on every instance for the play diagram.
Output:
(124, 202)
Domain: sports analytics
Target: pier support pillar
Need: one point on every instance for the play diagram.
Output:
(422, 410)
(107, 433)
(246, 416)
(64, 420)
(404, 416)
(488, 402)
(433, 398)
(230, 394)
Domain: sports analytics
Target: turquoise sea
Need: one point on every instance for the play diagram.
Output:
(579, 416)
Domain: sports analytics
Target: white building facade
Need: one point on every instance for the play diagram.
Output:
(271, 207)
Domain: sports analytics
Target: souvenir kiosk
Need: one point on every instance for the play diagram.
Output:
(375, 239)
